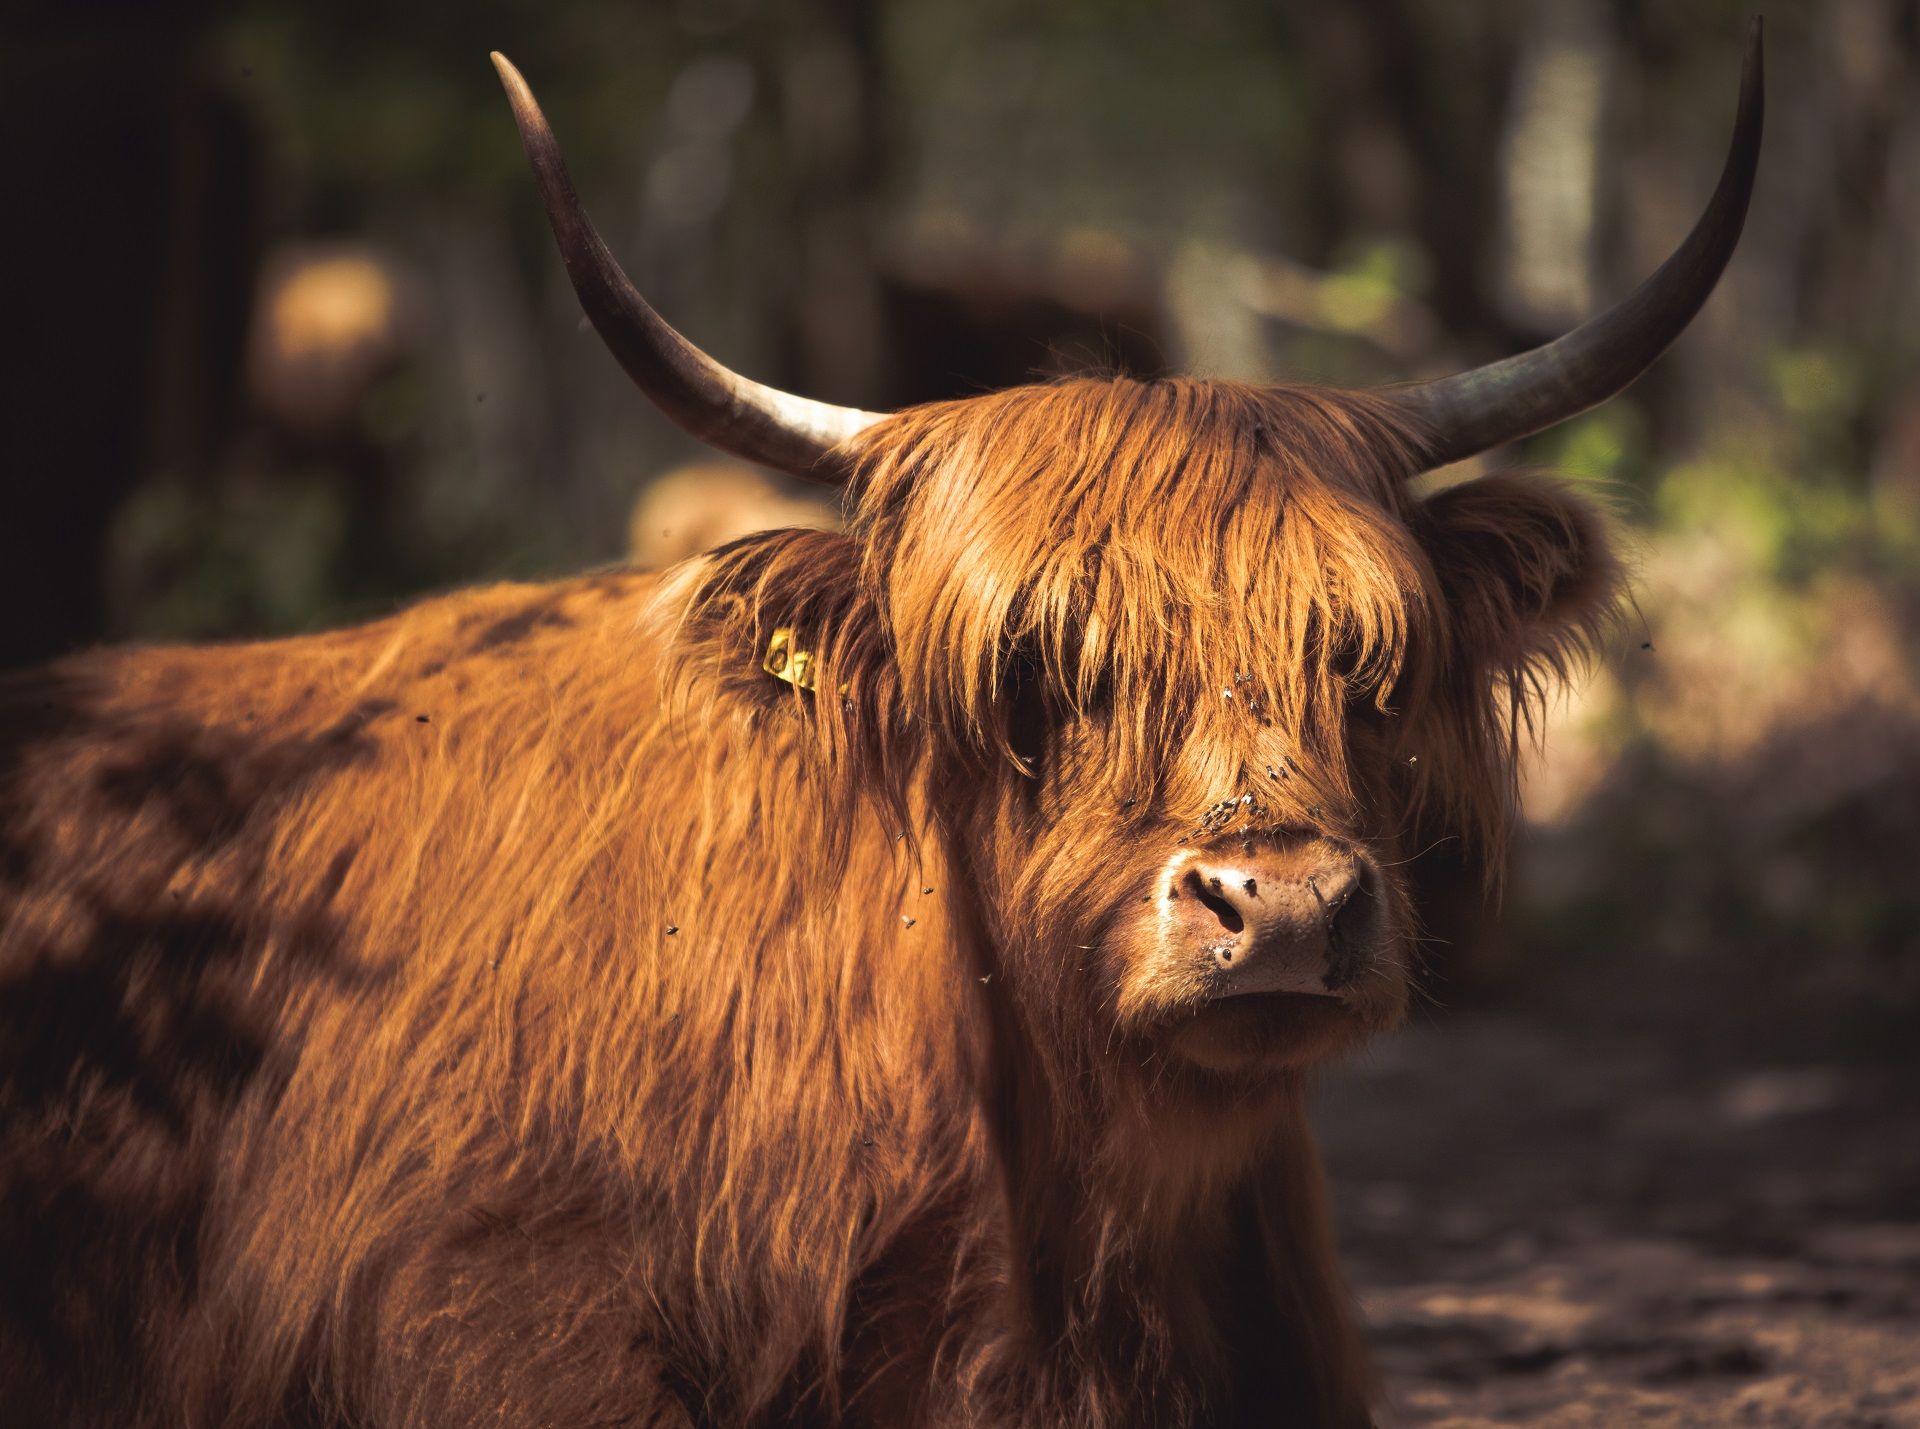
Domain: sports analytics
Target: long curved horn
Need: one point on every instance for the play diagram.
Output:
(1504, 401)
(720, 407)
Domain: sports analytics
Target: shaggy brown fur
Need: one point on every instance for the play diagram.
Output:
(523, 1010)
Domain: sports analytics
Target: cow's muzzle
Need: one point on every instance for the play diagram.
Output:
(1289, 916)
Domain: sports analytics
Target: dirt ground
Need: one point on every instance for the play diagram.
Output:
(1637, 1190)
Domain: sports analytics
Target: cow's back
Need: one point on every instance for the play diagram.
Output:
(206, 862)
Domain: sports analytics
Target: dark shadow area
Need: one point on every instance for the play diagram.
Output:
(1670, 1172)
(135, 1014)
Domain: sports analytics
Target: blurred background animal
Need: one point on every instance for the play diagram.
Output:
(697, 507)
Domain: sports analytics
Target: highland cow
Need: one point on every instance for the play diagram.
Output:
(860, 977)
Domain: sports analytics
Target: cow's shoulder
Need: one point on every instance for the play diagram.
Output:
(134, 774)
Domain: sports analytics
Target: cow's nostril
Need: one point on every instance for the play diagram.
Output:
(1332, 902)
(1212, 897)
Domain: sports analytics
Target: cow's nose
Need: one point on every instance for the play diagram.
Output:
(1287, 919)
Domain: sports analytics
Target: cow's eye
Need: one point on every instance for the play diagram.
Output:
(1023, 697)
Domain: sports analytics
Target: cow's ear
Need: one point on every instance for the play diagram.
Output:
(783, 618)
(1526, 567)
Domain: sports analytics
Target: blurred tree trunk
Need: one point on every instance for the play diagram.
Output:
(1550, 146)
(1406, 141)
(830, 78)
(127, 272)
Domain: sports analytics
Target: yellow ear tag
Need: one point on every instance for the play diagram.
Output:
(786, 661)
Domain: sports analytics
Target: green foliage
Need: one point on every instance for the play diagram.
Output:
(1794, 494)
(1608, 444)
(263, 559)
(374, 106)
(1369, 280)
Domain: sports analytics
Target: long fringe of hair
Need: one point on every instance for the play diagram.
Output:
(1234, 571)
